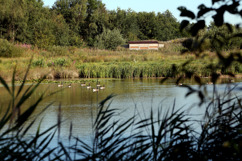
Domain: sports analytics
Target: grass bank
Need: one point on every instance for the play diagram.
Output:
(70, 62)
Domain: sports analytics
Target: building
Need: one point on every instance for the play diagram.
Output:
(144, 45)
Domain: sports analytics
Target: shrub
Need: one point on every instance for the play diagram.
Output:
(109, 39)
(38, 63)
(9, 50)
(60, 62)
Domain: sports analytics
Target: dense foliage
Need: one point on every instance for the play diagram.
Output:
(77, 22)
(9, 50)
(109, 39)
(83, 22)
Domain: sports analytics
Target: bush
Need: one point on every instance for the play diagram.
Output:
(38, 63)
(60, 62)
(9, 50)
(109, 39)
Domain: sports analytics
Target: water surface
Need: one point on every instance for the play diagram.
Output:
(79, 105)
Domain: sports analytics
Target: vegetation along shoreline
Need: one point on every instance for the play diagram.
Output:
(71, 62)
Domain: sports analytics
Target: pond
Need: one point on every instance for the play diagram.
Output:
(79, 105)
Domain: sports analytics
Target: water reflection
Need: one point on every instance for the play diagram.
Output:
(79, 104)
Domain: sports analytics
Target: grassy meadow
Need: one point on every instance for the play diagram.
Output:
(69, 62)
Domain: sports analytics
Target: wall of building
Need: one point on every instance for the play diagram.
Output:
(152, 46)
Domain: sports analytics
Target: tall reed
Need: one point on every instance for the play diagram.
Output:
(148, 69)
(14, 142)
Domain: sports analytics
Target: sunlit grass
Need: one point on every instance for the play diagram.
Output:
(71, 62)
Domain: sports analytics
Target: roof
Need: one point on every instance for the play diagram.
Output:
(143, 42)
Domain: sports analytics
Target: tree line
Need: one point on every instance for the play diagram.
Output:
(88, 22)
(78, 22)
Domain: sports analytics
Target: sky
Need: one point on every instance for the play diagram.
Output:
(158, 6)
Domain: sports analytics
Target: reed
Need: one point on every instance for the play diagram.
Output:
(66, 68)
(148, 69)
(14, 144)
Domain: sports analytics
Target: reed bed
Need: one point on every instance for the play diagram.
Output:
(70, 62)
(150, 69)
(124, 70)
(66, 68)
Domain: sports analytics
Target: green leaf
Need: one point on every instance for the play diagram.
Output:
(5, 85)
(23, 117)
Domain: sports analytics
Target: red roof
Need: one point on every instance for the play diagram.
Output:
(142, 42)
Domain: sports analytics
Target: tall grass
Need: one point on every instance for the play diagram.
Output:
(65, 67)
(149, 69)
(14, 144)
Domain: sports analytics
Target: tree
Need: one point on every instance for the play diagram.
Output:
(168, 26)
(109, 39)
(147, 23)
(96, 21)
(13, 19)
(132, 29)
(61, 31)
(35, 12)
(74, 13)
(43, 33)
(126, 22)
(217, 35)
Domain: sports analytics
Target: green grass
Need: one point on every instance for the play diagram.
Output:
(70, 62)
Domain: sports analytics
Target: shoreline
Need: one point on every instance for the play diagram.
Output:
(91, 80)
(89, 63)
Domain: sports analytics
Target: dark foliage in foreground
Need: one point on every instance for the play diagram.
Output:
(14, 142)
